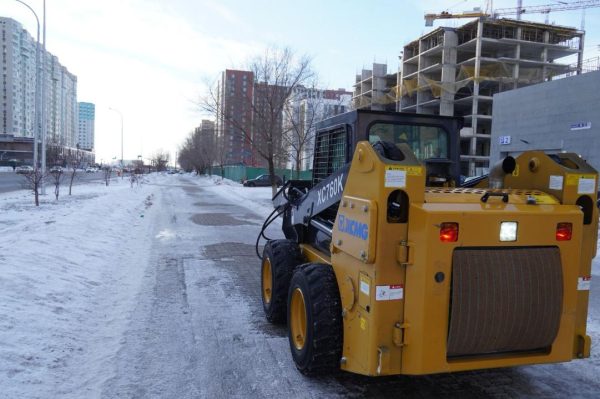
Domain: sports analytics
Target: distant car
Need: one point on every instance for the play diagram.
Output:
(91, 170)
(262, 180)
(56, 169)
(24, 169)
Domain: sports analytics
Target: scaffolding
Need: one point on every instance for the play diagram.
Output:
(456, 71)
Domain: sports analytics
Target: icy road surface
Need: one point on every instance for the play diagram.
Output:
(154, 292)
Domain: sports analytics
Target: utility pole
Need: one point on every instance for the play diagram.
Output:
(44, 124)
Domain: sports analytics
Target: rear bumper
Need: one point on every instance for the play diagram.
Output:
(500, 303)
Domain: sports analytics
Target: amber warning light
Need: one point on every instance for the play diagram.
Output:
(564, 231)
(449, 232)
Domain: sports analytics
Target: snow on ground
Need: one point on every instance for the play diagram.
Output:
(257, 199)
(69, 274)
(69, 271)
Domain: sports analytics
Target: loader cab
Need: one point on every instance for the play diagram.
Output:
(432, 139)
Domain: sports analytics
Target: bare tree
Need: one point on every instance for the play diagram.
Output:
(276, 73)
(138, 167)
(160, 159)
(34, 181)
(185, 156)
(198, 152)
(56, 176)
(221, 156)
(107, 172)
(74, 160)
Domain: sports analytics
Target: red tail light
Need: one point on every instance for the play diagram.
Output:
(564, 231)
(448, 232)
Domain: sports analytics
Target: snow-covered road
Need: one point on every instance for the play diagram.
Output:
(154, 291)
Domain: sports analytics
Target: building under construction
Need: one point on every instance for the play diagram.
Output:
(374, 89)
(456, 71)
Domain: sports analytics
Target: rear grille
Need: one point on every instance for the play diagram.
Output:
(504, 300)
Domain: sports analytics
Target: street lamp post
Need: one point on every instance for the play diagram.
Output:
(121, 115)
(43, 103)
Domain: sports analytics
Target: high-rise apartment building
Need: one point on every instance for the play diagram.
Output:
(18, 90)
(18, 84)
(87, 119)
(207, 129)
(61, 105)
(234, 122)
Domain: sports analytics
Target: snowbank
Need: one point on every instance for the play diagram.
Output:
(69, 273)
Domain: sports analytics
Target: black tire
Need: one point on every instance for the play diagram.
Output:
(284, 256)
(251, 185)
(322, 345)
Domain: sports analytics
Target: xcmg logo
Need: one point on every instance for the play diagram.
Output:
(353, 227)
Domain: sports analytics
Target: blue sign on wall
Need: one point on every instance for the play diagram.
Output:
(581, 125)
(503, 140)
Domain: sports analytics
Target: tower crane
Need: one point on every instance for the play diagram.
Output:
(544, 9)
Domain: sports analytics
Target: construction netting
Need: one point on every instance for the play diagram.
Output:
(501, 73)
(498, 72)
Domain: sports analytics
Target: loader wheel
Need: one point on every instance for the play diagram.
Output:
(280, 257)
(315, 319)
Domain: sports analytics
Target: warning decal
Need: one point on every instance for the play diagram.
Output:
(395, 178)
(556, 182)
(583, 283)
(389, 292)
(586, 186)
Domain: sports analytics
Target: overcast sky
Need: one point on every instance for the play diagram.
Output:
(151, 58)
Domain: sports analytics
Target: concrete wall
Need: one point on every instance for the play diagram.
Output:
(557, 116)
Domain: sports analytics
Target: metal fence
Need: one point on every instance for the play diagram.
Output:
(240, 173)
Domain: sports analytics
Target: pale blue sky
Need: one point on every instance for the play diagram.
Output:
(149, 58)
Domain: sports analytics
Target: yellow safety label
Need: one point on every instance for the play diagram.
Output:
(573, 180)
(410, 170)
(515, 172)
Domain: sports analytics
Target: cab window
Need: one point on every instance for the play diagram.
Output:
(425, 141)
(330, 153)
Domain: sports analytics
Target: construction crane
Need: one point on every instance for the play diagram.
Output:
(543, 9)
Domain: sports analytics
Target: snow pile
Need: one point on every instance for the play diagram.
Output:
(218, 180)
(257, 199)
(69, 274)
